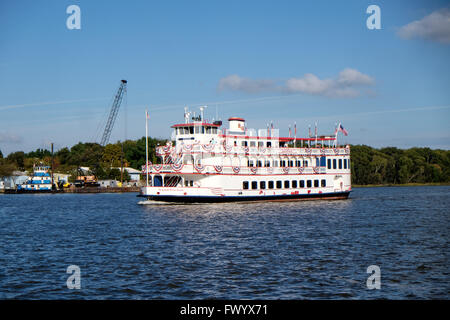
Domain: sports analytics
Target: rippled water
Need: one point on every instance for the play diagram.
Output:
(291, 250)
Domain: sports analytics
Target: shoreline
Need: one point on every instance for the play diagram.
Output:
(401, 185)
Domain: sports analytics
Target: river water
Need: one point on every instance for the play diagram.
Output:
(287, 250)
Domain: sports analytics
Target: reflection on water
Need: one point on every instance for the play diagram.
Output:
(273, 250)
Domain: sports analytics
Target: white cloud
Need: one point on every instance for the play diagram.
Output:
(434, 27)
(236, 83)
(346, 85)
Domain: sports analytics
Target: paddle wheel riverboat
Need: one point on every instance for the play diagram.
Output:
(205, 162)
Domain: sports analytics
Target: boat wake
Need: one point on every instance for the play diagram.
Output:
(153, 202)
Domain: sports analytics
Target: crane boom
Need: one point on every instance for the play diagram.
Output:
(113, 113)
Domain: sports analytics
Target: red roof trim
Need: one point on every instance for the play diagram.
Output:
(235, 119)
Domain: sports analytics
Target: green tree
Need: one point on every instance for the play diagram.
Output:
(6, 168)
(112, 155)
(17, 159)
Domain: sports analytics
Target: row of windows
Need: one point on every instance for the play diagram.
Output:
(283, 163)
(196, 129)
(253, 143)
(286, 184)
(338, 164)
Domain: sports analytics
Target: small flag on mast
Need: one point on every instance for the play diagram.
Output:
(341, 129)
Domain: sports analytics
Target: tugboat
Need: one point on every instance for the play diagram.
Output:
(209, 163)
(39, 182)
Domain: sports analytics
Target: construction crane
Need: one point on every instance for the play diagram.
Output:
(113, 113)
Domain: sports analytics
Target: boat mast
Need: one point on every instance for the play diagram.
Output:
(52, 165)
(146, 145)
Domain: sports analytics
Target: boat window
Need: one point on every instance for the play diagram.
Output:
(275, 163)
(334, 163)
(345, 163)
(309, 183)
(340, 163)
(294, 183)
(291, 163)
(286, 184)
(254, 185)
(260, 144)
(252, 143)
(250, 163)
(214, 130)
(191, 130)
(316, 183)
(305, 163)
(244, 143)
(259, 164)
(323, 183)
(208, 130)
(192, 183)
(279, 184)
(197, 129)
(245, 185)
(269, 144)
(267, 163)
(329, 163)
(302, 183)
(270, 184)
(262, 184)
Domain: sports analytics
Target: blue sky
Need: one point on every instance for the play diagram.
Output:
(280, 61)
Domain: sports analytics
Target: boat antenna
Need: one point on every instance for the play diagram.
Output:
(202, 108)
(52, 164)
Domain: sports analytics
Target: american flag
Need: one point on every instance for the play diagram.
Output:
(146, 114)
(341, 129)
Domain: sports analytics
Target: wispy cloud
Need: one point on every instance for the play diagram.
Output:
(10, 138)
(36, 104)
(434, 27)
(347, 84)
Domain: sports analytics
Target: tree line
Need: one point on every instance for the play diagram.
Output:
(103, 161)
(399, 166)
(369, 165)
